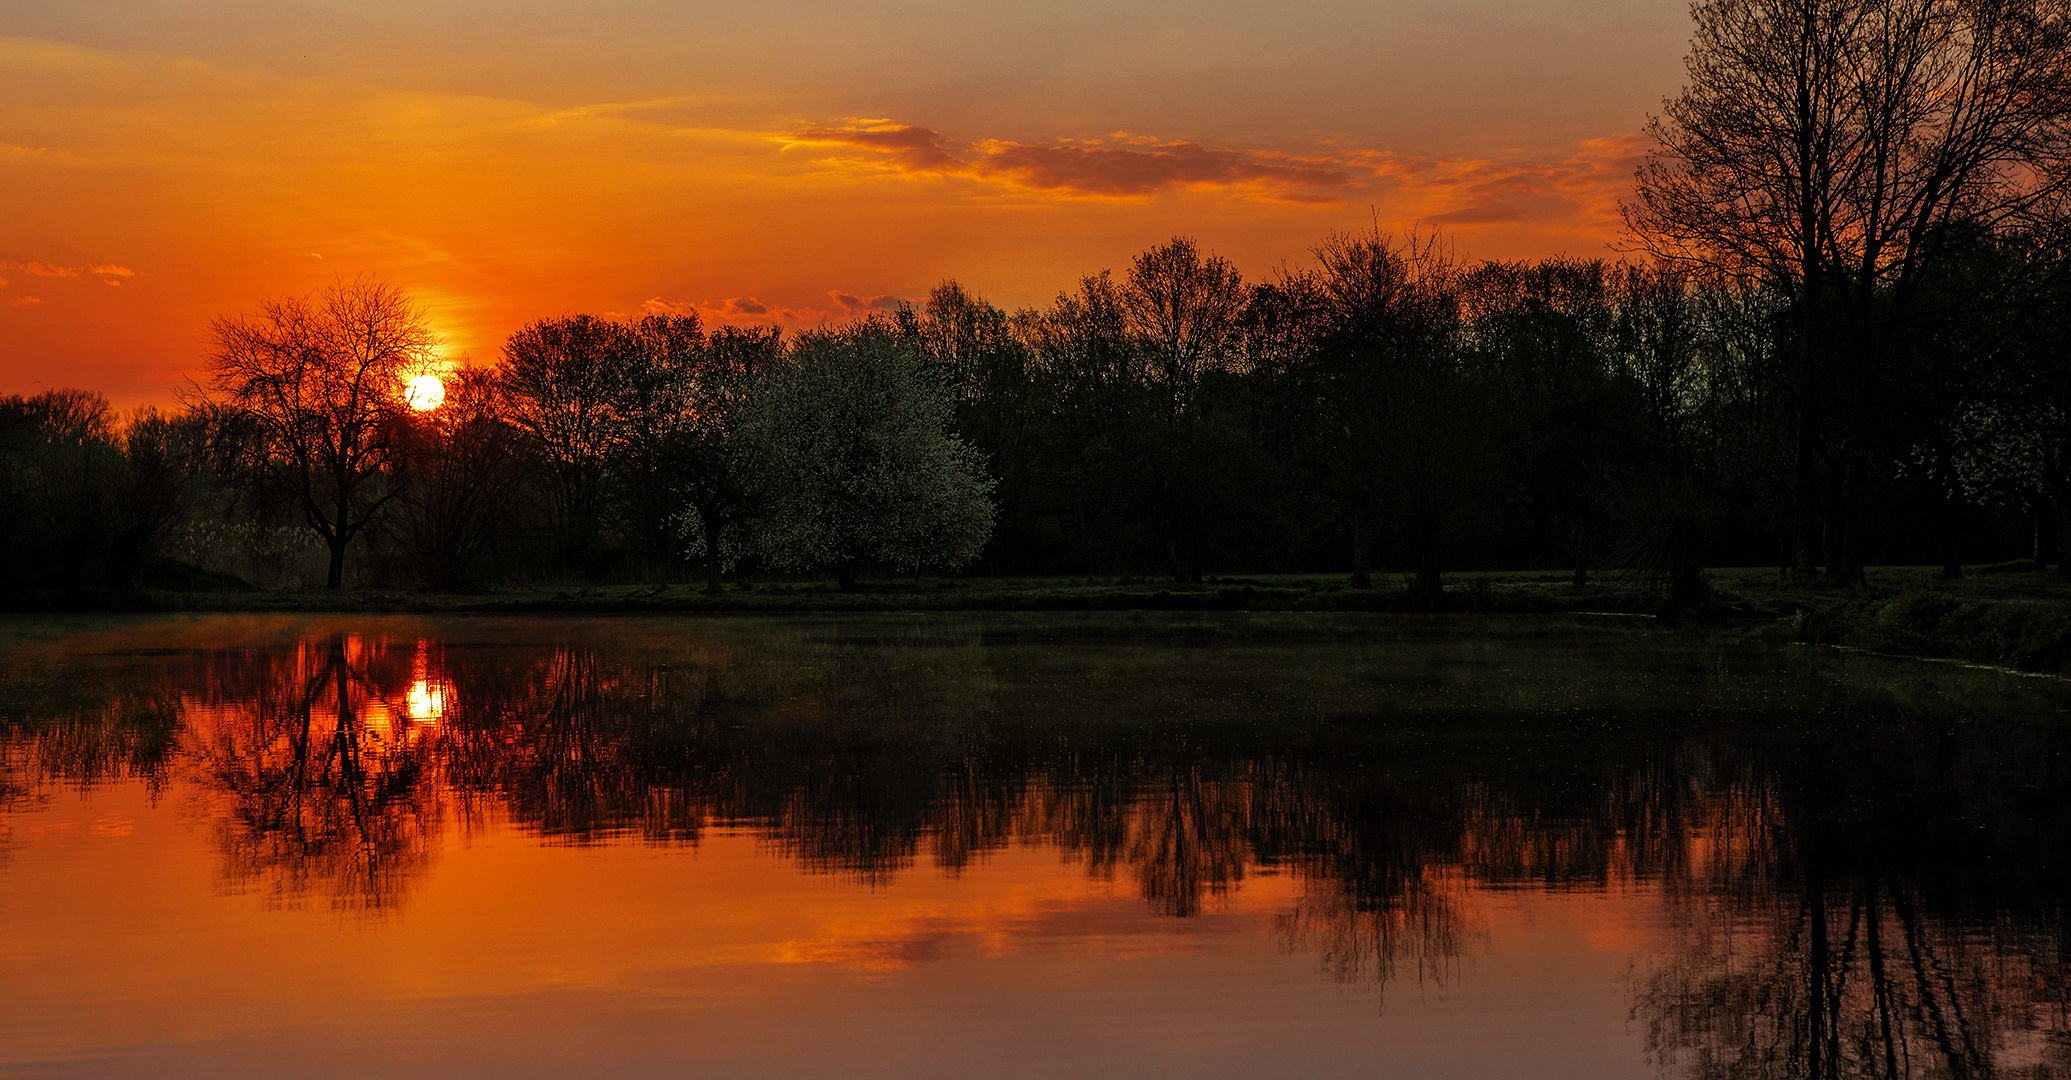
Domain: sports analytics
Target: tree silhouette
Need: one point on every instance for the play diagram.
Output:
(566, 380)
(1833, 151)
(304, 400)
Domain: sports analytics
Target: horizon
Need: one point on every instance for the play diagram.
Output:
(795, 167)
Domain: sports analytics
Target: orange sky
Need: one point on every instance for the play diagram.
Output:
(166, 161)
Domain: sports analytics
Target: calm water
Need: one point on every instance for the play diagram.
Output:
(1019, 847)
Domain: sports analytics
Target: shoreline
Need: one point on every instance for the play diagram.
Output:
(2015, 621)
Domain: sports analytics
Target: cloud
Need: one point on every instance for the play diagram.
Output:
(1143, 166)
(1586, 185)
(752, 311)
(41, 269)
(21, 301)
(857, 304)
(913, 149)
(1111, 170)
(1580, 188)
(655, 305)
(1485, 214)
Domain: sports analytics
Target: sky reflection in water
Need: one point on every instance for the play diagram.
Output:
(1018, 846)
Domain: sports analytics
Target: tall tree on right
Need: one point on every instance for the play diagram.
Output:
(1834, 151)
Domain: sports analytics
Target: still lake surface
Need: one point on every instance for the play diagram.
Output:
(1020, 846)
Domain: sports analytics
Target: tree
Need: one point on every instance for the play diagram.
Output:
(1833, 151)
(565, 380)
(988, 360)
(1543, 334)
(1184, 309)
(304, 401)
(60, 466)
(466, 471)
(1398, 433)
(856, 460)
(658, 414)
(707, 457)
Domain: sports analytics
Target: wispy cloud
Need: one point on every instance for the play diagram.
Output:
(913, 149)
(1585, 184)
(738, 309)
(1116, 170)
(49, 270)
(854, 304)
(1476, 191)
(1136, 167)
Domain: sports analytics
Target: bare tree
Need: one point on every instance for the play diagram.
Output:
(1398, 433)
(1833, 150)
(1184, 308)
(303, 400)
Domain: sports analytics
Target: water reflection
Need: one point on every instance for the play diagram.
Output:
(1864, 866)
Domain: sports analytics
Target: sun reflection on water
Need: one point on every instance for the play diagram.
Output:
(426, 701)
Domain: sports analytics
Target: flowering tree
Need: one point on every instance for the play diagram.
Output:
(851, 449)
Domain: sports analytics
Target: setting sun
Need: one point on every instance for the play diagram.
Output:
(425, 393)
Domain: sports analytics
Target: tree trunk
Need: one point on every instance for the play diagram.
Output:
(710, 525)
(845, 576)
(1429, 585)
(1581, 559)
(2060, 503)
(1362, 552)
(1686, 588)
(1805, 523)
(1852, 554)
(339, 542)
(1423, 556)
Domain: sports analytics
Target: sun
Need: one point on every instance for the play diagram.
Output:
(424, 393)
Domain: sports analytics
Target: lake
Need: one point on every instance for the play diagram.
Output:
(1020, 846)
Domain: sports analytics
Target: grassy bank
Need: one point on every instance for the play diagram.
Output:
(1996, 615)
(2019, 620)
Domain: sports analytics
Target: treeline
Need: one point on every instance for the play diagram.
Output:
(1390, 409)
(1847, 345)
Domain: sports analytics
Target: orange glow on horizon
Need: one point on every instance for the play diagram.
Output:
(785, 176)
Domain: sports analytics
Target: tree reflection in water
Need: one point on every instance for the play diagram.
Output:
(1862, 877)
(326, 781)
(1902, 915)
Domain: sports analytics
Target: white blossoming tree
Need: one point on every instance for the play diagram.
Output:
(855, 462)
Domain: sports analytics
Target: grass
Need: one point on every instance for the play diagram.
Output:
(2003, 615)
